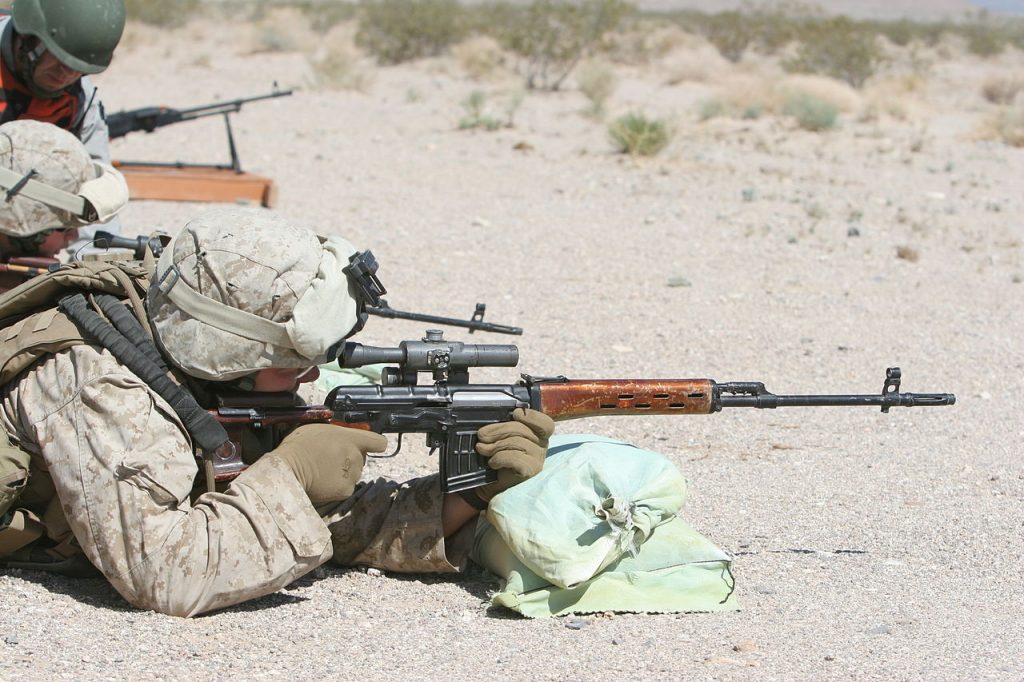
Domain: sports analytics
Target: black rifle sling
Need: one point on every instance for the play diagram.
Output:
(126, 323)
(206, 431)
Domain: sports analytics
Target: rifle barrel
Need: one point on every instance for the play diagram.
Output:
(771, 401)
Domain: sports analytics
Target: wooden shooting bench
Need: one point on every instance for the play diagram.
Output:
(194, 182)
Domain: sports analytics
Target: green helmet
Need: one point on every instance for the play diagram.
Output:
(82, 34)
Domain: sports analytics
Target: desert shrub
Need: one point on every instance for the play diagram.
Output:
(597, 82)
(637, 135)
(336, 68)
(396, 31)
(811, 113)
(709, 108)
(767, 28)
(1002, 89)
(731, 33)
(900, 32)
(479, 56)
(475, 115)
(1009, 126)
(166, 13)
(479, 115)
(640, 40)
(838, 48)
(984, 39)
(552, 36)
(323, 16)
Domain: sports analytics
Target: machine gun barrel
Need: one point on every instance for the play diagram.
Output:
(149, 119)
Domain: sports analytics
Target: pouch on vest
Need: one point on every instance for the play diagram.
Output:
(14, 467)
(18, 528)
(30, 325)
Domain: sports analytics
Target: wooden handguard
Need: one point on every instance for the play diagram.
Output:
(603, 397)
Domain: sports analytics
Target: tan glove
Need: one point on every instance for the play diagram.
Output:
(327, 459)
(516, 449)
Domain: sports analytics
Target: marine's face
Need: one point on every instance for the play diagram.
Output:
(283, 380)
(47, 244)
(52, 75)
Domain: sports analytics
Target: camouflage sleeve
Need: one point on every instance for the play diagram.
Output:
(95, 135)
(396, 527)
(123, 470)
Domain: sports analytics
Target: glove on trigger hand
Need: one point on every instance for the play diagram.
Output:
(327, 459)
(515, 448)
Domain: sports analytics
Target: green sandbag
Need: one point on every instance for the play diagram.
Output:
(595, 501)
(674, 569)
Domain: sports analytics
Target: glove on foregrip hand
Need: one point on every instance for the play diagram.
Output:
(516, 449)
(327, 459)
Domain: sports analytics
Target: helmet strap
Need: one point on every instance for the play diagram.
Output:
(30, 51)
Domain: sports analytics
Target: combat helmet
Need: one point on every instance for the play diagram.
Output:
(81, 34)
(49, 182)
(243, 289)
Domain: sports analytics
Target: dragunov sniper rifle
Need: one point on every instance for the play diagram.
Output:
(450, 410)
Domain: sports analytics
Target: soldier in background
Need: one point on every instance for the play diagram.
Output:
(49, 188)
(48, 49)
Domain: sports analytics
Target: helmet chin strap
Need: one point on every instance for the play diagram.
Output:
(30, 60)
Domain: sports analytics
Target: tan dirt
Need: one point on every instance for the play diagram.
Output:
(867, 546)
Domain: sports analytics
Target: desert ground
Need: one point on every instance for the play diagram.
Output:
(865, 545)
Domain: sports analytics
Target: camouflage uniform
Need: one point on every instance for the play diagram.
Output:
(123, 469)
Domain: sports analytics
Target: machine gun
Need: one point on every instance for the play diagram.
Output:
(181, 181)
(450, 410)
(149, 119)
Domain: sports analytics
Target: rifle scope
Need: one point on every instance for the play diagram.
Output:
(446, 359)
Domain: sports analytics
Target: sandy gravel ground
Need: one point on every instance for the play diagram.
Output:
(867, 546)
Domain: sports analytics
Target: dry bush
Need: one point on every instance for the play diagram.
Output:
(480, 56)
(646, 40)
(282, 29)
(838, 94)
(637, 135)
(838, 48)
(1006, 125)
(479, 108)
(336, 62)
(810, 111)
(815, 101)
(164, 13)
(1002, 89)
(743, 95)
(597, 81)
(700, 63)
(552, 36)
(396, 31)
(895, 97)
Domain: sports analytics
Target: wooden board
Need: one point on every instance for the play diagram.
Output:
(190, 183)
